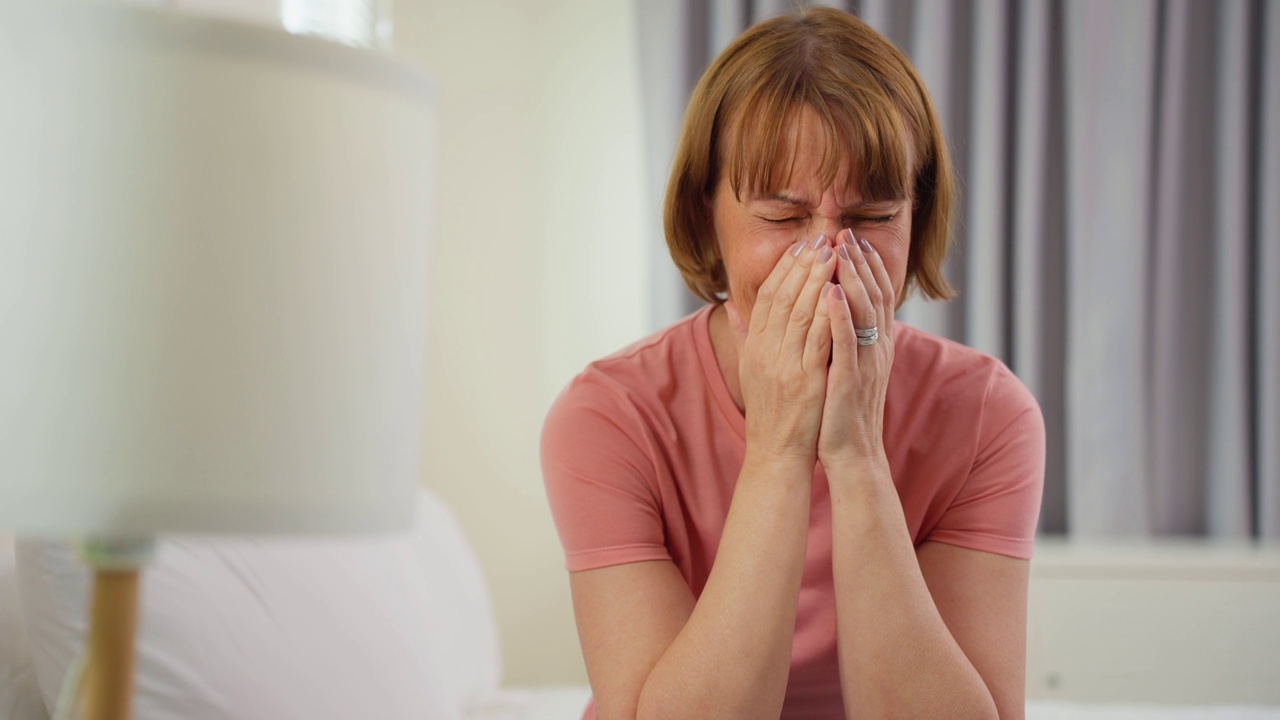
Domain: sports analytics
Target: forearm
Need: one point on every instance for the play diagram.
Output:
(733, 656)
(897, 657)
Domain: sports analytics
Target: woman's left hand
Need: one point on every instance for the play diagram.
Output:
(852, 428)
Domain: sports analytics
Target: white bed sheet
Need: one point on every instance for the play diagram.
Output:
(1048, 710)
(567, 702)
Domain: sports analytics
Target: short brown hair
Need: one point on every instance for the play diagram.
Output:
(870, 100)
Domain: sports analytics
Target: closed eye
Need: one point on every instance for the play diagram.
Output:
(781, 221)
(876, 220)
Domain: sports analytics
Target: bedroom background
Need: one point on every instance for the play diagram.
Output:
(553, 116)
(1118, 246)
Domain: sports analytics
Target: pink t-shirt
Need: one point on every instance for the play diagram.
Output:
(641, 452)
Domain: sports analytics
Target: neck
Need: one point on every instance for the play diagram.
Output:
(725, 344)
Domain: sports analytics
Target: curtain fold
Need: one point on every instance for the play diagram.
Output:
(1111, 74)
(1228, 441)
(1117, 239)
(1264, 144)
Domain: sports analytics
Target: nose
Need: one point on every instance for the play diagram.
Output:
(827, 226)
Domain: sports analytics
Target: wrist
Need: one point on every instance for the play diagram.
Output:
(858, 450)
(859, 477)
(780, 463)
(856, 465)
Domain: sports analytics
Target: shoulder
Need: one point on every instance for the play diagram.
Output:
(602, 448)
(957, 372)
(968, 423)
(618, 393)
(639, 372)
(955, 381)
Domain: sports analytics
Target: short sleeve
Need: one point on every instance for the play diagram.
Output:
(998, 506)
(599, 478)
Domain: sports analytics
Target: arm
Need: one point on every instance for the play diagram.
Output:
(940, 633)
(652, 651)
(982, 597)
(901, 620)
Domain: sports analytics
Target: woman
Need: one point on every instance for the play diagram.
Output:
(787, 505)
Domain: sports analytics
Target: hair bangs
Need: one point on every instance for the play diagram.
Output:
(753, 136)
(871, 137)
(862, 135)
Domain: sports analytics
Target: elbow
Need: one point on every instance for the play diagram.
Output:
(979, 706)
(987, 710)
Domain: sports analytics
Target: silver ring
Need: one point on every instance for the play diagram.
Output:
(867, 337)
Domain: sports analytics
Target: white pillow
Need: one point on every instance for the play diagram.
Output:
(242, 629)
(19, 695)
(461, 619)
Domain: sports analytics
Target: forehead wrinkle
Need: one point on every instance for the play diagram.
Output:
(860, 204)
(784, 198)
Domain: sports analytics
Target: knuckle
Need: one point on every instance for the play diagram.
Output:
(784, 297)
(801, 316)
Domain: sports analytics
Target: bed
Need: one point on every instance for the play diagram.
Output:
(561, 703)
(1128, 632)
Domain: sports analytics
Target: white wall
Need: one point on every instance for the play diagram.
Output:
(539, 267)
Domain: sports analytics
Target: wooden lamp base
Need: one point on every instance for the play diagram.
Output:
(113, 620)
(100, 686)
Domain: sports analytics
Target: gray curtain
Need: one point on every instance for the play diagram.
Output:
(1118, 235)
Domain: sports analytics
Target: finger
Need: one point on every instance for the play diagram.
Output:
(844, 343)
(888, 301)
(817, 346)
(735, 320)
(769, 288)
(801, 315)
(857, 284)
(787, 293)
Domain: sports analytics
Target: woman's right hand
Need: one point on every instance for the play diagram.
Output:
(784, 351)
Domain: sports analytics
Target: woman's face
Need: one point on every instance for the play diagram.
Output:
(754, 232)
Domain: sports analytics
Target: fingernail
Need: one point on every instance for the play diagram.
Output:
(837, 292)
(844, 252)
(818, 241)
(848, 235)
(798, 249)
(866, 246)
(825, 255)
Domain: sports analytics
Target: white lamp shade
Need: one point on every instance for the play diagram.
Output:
(212, 276)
